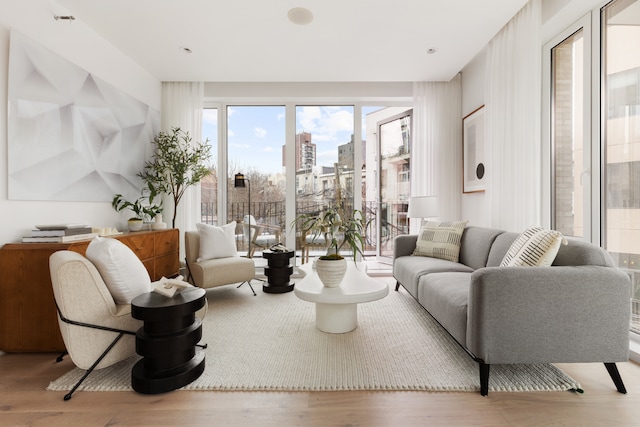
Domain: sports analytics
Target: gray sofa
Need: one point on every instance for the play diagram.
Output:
(577, 310)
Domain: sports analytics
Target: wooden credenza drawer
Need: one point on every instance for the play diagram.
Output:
(28, 317)
(167, 242)
(143, 245)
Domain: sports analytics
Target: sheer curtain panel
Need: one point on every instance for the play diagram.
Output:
(182, 104)
(436, 168)
(513, 79)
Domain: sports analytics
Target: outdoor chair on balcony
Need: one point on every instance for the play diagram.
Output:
(262, 236)
(307, 242)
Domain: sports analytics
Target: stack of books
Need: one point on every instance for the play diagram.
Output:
(60, 233)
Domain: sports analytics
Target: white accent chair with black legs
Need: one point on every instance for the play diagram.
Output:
(97, 332)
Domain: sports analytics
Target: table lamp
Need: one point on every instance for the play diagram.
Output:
(423, 207)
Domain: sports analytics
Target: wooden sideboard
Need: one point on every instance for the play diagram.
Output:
(28, 317)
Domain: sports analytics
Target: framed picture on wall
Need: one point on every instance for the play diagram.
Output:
(473, 153)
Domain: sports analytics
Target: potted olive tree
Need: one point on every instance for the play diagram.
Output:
(177, 164)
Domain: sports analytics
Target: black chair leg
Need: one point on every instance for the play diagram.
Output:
(86, 374)
(484, 378)
(248, 282)
(615, 376)
(61, 356)
(397, 285)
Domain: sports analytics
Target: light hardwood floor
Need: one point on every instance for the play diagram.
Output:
(24, 402)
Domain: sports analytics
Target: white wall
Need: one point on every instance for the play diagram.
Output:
(474, 207)
(83, 47)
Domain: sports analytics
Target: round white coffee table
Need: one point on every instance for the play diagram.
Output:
(337, 308)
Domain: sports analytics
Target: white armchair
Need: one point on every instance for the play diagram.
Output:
(211, 273)
(96, 331)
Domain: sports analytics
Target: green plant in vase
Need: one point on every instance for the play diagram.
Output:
(142, 212)
(337, 233)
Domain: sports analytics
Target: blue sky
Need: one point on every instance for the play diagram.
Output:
(257, 133)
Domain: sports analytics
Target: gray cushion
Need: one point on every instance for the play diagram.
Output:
(476, 243)
(500, 247)
(446, 297)
(579, 252)
(409, 269)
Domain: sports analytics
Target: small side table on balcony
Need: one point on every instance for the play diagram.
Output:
(167, 341)
(278, 272)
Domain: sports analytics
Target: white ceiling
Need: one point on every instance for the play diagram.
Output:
(253, 41)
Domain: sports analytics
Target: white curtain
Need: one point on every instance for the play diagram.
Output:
(182, 104)
(513, 102)
(436, 157)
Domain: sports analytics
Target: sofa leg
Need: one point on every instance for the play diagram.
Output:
(615, 376)
(397, 285)
(484, 378)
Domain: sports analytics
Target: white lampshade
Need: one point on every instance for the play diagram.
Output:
(423, 207)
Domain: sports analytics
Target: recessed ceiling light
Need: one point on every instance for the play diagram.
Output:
(300, 16)
(431, 50)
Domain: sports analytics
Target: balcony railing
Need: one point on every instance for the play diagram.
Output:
(393, 222)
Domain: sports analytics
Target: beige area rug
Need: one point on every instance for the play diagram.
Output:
(270, 342)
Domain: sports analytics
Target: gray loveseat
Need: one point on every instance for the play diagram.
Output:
(577, 310)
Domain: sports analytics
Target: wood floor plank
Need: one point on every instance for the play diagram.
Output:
(25, 402)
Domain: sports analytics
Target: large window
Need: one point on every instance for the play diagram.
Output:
(394, 147)
(567, 129)
(327, 164)
(621, 139)
(324, 152)
(594, 130)
(255, 146)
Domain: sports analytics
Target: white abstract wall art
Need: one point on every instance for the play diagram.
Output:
(71, 136)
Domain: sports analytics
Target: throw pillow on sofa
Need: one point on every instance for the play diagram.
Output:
(120, 268)
(440, 240)
(535, 247)
(217, 242)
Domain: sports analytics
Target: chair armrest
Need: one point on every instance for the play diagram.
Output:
(273, 229)
(404, 245)
(549, 314)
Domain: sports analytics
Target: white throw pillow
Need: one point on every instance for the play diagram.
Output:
(440, 240)
(535, 247)
(217, 242)
(120, 268)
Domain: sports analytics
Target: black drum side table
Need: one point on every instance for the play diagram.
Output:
(278, 272)
(167, 341)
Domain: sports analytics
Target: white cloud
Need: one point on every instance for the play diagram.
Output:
(230, 132)
(325, 123)
(268, 149)
(243, 146)
(260, 132)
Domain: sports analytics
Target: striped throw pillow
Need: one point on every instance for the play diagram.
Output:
(535, 247)
(440, 240)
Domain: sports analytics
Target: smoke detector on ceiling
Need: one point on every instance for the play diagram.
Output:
(300, 15)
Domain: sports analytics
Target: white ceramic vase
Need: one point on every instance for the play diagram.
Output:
(158, 225)
(135, 224)
(331, 271)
